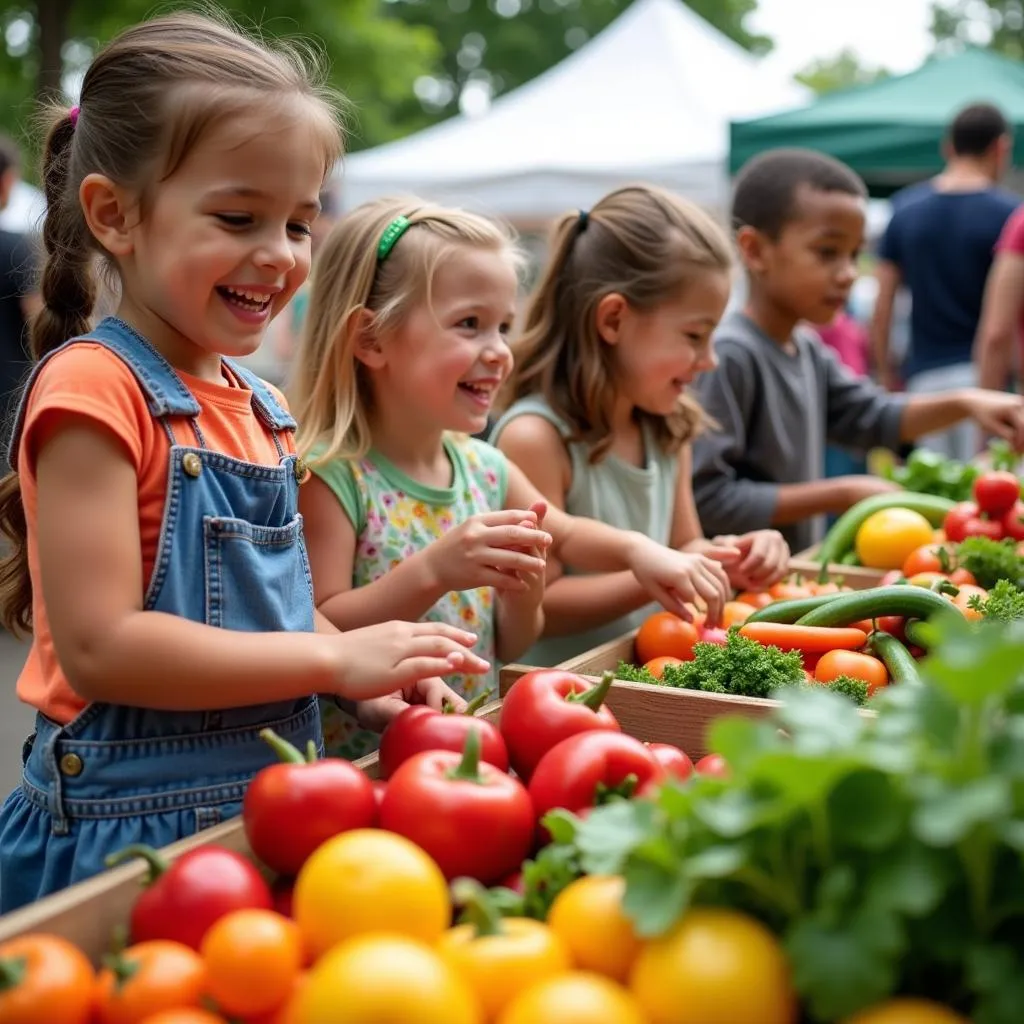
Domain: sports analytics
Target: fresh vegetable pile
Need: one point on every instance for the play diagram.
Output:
(928, 472)
(881, 532)
(882, 856)
(820, 866)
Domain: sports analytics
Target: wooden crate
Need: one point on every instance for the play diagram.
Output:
(89, 913)
(856, 576)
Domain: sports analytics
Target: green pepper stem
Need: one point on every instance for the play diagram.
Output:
(477, 703)
(468, 769)
(480, 909)
(156, 861)
(594, 697)
(285, 751)
(12, 972)
(311, 752)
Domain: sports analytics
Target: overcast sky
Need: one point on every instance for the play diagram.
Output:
(890, 33)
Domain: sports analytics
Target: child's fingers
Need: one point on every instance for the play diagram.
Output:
(510, 561)
(442, 631)
(520, 535)
(507, 517)
(723, 553)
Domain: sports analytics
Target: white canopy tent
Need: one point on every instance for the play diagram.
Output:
(649, 98)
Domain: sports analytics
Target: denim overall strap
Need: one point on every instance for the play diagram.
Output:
(267, 407)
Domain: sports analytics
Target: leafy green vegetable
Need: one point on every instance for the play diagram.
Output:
(1003, 456)
(992, 560)
(855, 689)
(634, 674)
(1003, 604)
(739, 666)
(927, 472)
(885, 853)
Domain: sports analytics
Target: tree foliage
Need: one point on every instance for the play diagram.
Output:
(841, 71)
(995, 24)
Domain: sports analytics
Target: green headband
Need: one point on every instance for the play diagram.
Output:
(392, 233)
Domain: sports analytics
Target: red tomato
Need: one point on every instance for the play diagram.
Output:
(545, 707)
(292, 808)
(962, 576)
(676, 762)
(996, 492)
(577, 772)
(471, 817)
(1013, 521)
(380, 787)
(784, 591)
(664, 635)
(894, 624)
(186, 896)
(712, 764)
(991, 528)
(419, 728)
(864, 667)
(956, 520)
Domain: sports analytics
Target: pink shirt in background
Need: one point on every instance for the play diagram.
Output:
(1012, 241)
(849, 340)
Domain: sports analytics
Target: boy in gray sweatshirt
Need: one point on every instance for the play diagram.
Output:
(778, 393)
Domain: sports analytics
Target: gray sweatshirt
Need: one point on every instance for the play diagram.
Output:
(776, 409)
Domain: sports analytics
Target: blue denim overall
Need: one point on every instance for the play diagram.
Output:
(231, 554)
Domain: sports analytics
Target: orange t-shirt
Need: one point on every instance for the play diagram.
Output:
(89, 380)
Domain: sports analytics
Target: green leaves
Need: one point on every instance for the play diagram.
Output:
(886, 852)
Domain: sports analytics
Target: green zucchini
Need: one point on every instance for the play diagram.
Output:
(897, 659)
(790, 611)
(839, 539)
(910, 602)
(916, 634)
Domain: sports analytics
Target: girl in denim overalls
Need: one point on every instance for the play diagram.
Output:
(158, 554)
(406, 345)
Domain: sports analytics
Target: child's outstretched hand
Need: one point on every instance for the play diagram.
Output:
(378, 660)
(998, 413)
(675, 578)
(764, 559)
(489, 550)
(434, 692)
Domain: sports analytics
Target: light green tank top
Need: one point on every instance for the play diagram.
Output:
(615, 492)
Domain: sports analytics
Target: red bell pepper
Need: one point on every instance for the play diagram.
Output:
(543, 708)
(292, 808)
(471, 817)
(676, 762)
(419, 728)
(585, 769)
(188, 895)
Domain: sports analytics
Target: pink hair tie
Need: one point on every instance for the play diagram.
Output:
(73, 116)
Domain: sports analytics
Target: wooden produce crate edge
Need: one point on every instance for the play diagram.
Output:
(857, 576)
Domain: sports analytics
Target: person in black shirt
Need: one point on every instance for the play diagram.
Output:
(18, 299)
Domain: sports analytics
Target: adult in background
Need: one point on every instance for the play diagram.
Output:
(939, 243)
(18, 298)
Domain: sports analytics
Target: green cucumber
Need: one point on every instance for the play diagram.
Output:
(910, 602)
(840, 538)
(916, 633)
(897, 659)
(790, 611)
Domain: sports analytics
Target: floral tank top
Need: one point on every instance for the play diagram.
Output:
(395, 517)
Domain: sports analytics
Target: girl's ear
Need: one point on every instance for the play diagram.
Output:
(110, 213)
(611, 312)
(366, 345)
(754, 247)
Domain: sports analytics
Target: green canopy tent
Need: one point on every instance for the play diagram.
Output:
(891, 132)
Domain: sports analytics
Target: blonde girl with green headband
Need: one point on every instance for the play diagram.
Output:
(406, 515)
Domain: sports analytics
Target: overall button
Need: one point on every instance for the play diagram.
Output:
(192, 464)
(301, 470)
(71, 764)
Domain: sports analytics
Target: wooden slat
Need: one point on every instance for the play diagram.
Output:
(856, 576)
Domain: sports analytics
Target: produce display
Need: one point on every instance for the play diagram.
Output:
(880, 532)
(539, 864)
(928, 472)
